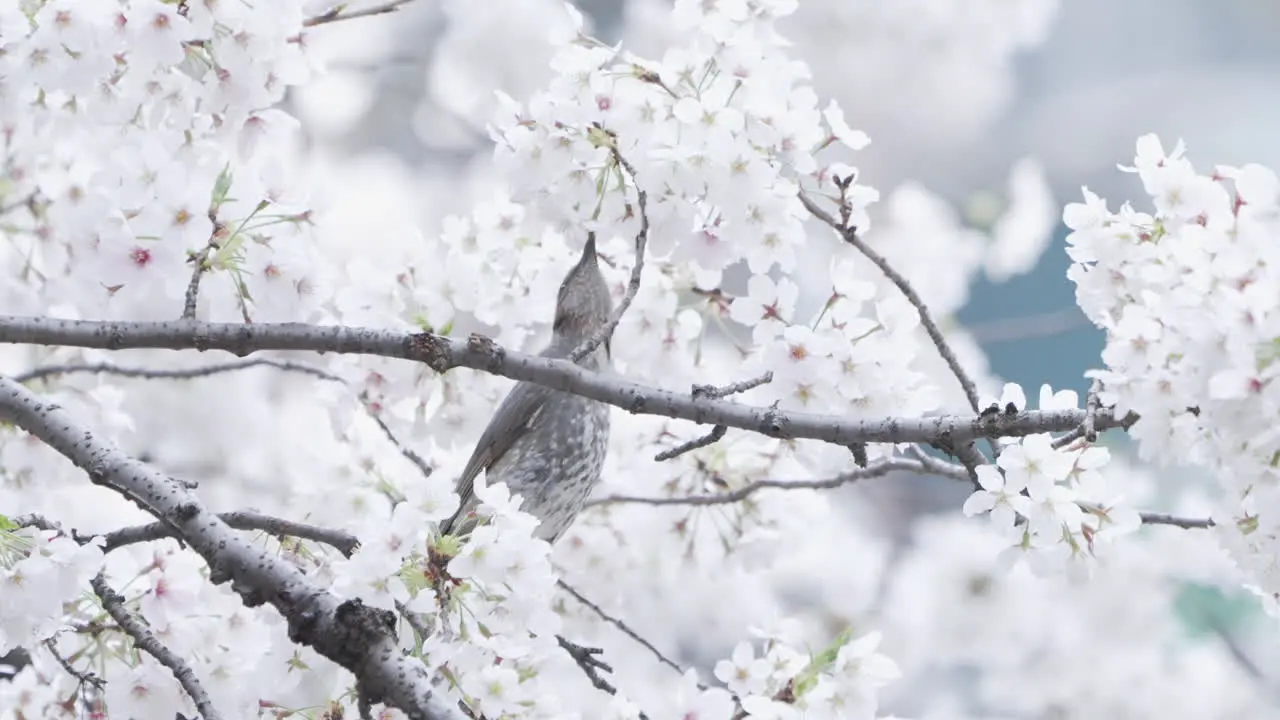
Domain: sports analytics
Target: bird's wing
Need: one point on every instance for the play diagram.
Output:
(516, 413)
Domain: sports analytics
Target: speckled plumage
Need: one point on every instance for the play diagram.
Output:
(549, 446)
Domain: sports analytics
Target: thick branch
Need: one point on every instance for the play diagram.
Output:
(359, 638)
(443, 353)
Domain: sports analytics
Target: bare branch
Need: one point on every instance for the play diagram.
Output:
(37, 521)
(351, 634)
(626, 630)
(339, 13)
(878, 469)
(717, 433)
(586, 659)
(850, 236)
(47, 371)
(408, 452)
(243, 520)
(192, 297)
(1151, 518)
(443, 353)
(83, 677)
(113, 603)
(633, 285)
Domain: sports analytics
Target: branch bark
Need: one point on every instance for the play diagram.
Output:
(479, 353)
(113, 603)
(359, 638)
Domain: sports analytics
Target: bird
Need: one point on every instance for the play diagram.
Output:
(547, 445)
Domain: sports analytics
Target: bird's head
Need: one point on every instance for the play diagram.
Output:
(583, 305)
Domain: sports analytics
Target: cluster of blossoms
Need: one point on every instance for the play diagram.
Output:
(488, 610)
(1186, 294)
(1045, 499)
(142, 143)
(839, 682)
(139, 135)
(39, 571)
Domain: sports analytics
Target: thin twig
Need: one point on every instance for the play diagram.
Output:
(414, 621)
(850, 236)
(408, 452)
(242, 520)
(1063, 441)
(1078, 432)
(113, 603)
(37, 521)
(623, 627)
(878, 469)
(192, 297)
(1151, 518)
(83, 677)
(633, 285)
(965, 450)
(104, 368)
(338, 13)
(586, 659)
(717, 433)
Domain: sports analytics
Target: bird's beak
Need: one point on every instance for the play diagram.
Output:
(589, 251)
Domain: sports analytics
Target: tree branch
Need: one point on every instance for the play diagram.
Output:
(878, 469)
(965, 450)
(46, 371)
(586, 659)
(1152, 518)
(243, 520)
(339, 13)
(850, 235)
(443, 354)
(359, 638)
(113, 603)
(717, 434)
(626, 630)
(633, 285)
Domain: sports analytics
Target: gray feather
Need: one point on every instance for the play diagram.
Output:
(517, 412)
